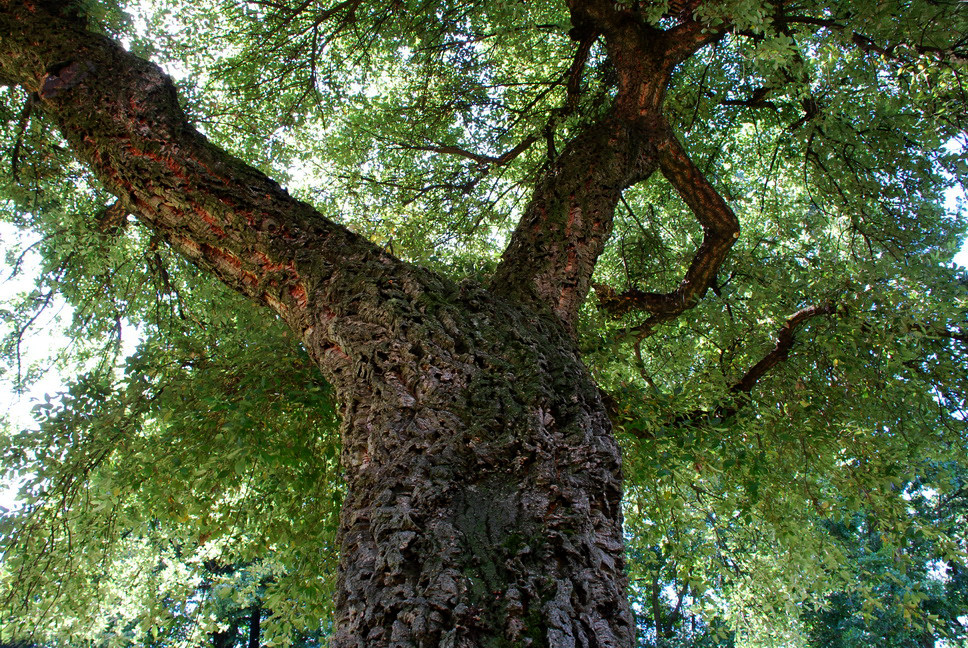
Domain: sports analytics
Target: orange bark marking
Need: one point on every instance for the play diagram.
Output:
(574, 214)
(299, 294)
(270, 266)
(173, 166)
(210, 221)
(336, 350)
(230, 263)
(279, 307)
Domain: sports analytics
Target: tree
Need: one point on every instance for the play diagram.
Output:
(881, 617)
(483, 481)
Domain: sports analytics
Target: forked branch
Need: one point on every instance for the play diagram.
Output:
(685, 39)
(739, 391)
(720, 230)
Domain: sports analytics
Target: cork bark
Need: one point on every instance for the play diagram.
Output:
(484, 482)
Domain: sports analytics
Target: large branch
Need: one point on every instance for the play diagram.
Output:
(555, 246)
(553, 251)
(644, 56)
(720, 230)
(121, 116)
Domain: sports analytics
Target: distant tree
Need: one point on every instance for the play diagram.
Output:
(910, 597)
(913, 595)
(751, 190)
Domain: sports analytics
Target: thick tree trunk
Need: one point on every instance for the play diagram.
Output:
(484, 482)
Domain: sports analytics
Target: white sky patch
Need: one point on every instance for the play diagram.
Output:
(956, 200)
(42, 344)
(962, 257)
(40, 341)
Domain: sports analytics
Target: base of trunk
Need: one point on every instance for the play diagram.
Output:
(484, 502)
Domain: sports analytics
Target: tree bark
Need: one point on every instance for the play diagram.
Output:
(484, 499)
(553, 251)
(484, 484)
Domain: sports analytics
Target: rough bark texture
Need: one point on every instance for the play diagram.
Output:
(484, 502)
(552, 254)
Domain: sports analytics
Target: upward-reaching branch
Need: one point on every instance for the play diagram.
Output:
(121, 116)
(555, 246)
(781, 350)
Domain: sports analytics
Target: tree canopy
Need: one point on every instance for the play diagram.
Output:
(790, 397)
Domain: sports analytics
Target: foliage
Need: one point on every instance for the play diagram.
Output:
(198, 475)
(174, 487)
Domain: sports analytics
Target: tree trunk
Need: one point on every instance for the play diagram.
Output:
(484, 483)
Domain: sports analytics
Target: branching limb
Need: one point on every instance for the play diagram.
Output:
(739, 391)
(685, 39)
(756, 100)
(644, 56)
(553, 251)
(720, 231)
(955, 53)
(577, 68)
(586, 39)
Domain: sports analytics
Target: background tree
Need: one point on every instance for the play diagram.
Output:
(768, 386)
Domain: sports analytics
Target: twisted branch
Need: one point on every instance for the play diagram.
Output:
(720, 231)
